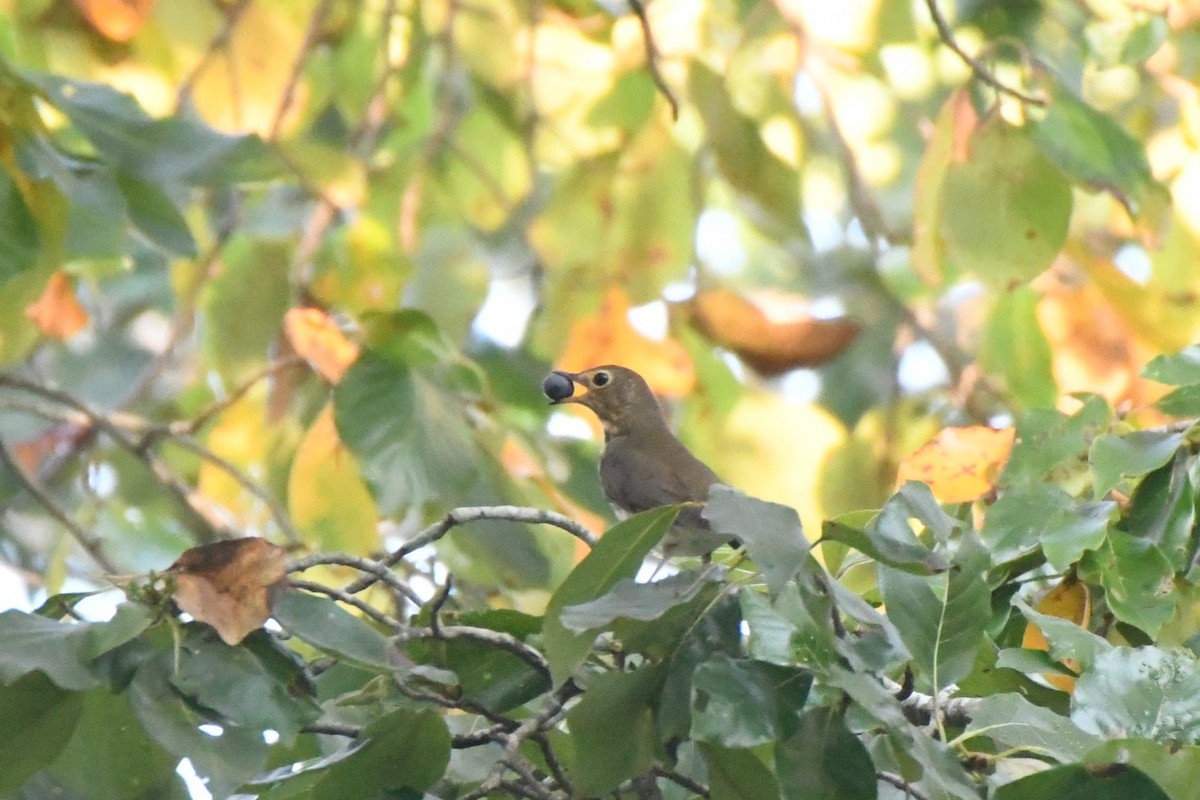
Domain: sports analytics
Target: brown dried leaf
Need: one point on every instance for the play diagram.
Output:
(768, 346)
(57, 313)
(229, 584)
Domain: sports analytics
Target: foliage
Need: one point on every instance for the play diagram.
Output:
(918, 280)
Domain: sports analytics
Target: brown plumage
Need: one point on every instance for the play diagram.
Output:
(643, 466)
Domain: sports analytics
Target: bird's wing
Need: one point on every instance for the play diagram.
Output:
(652, 479)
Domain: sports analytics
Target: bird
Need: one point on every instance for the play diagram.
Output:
(643, 465)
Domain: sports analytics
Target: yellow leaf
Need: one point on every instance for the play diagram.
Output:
(327, 497)
(1068, 600)
(319, 340)
(959, 464)
(57, 313)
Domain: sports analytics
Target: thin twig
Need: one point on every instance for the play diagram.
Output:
(497, 639)
(978, 69)
(367, 565)
(337, 594)
(221, 40)
(653, 57)
(192, 426)
(333, 729)
(460, 516)
(311, 34)
(695, 787)
(39, 493)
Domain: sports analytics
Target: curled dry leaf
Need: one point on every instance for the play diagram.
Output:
(769, 346)
(319, 340)
(229, 585)
(959, 464)
(57, 313)
(608, 338)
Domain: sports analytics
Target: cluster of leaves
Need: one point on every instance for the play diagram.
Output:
(243, 294)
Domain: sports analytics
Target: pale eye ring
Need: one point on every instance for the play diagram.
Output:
(601, 379)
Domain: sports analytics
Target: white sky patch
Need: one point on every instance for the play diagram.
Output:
(568, 426)
(1133, 260)
(922, 369)
(13, 592)
(506, 310)
(801, 385)
(718, 242)
(650, 320)
(824, 230)
(827, 308)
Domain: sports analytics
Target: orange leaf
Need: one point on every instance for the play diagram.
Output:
(57, 312)
(521, 464)
(959, 464)
(768, 346)
(1068, 600)
(320, 341)
(608, 338)
(116, 20)
(229, 585)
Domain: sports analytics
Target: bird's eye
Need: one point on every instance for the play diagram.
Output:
(600, 378)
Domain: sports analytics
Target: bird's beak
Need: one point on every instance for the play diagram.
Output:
(574, 398)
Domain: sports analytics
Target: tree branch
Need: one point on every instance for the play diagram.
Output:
(978, 69)
(653, 57)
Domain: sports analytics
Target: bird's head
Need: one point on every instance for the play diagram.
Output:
(618, 396)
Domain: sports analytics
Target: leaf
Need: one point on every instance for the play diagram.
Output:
(942, 629)
(737, 775)
(245, 303)
(155, 215)
(1028, 208)
(1114, 457)
(959, 464)
(241, 687)
(172, 150)
(57, 313)
(769, 346)
(229, 584)
(58, 649)
(823, 759)
(744, 703)
(1175, 369)
(1094, 151)
(1011, 720)
(612, 728)
(1143, 692)
(1182, 402)
(411, 439)
(1027, 516)
(328, 499)
(771, 532)
(617, 555)
(1172, 767)
(1138, 580)
(1162, 511)
(1066, 639)
(955, 123)
(116, 20)
(318, 339)
(887, 544)
(1114, 781)
(1016, 349)
(632, 600)
(37, 719)
(1046, 439)
(327, 626)
(1069, 601)
(20, 233)
(404, 749)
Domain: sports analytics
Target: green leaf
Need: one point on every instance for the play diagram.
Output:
(612, 728)
(1095, 152)
(60, 649)
(1181, 402)
(928, 250)
(1079, 782)
(1046, 439)
(772, 186)
(887, 543)
(942, 629)
(1175, 369)
(223, 762)
(1041, 514)
(737, 775)
(1162, 511)
(822, 759)
(36, 722)
(410, 437)
(1013, 721)
(744, 703)
(1114, 457)
(617, 555)
(633, 600)
(20, 235)
(1138, 580)
(110, 757)
(327, 626)
(771, 532)
(405, 749)
(1143, 692)
(1066, 639)
(235, 684)
(1172, 767)
(1015, 348)
(155, 215)
(172, 150)
(1028, 206)
(244, 305)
